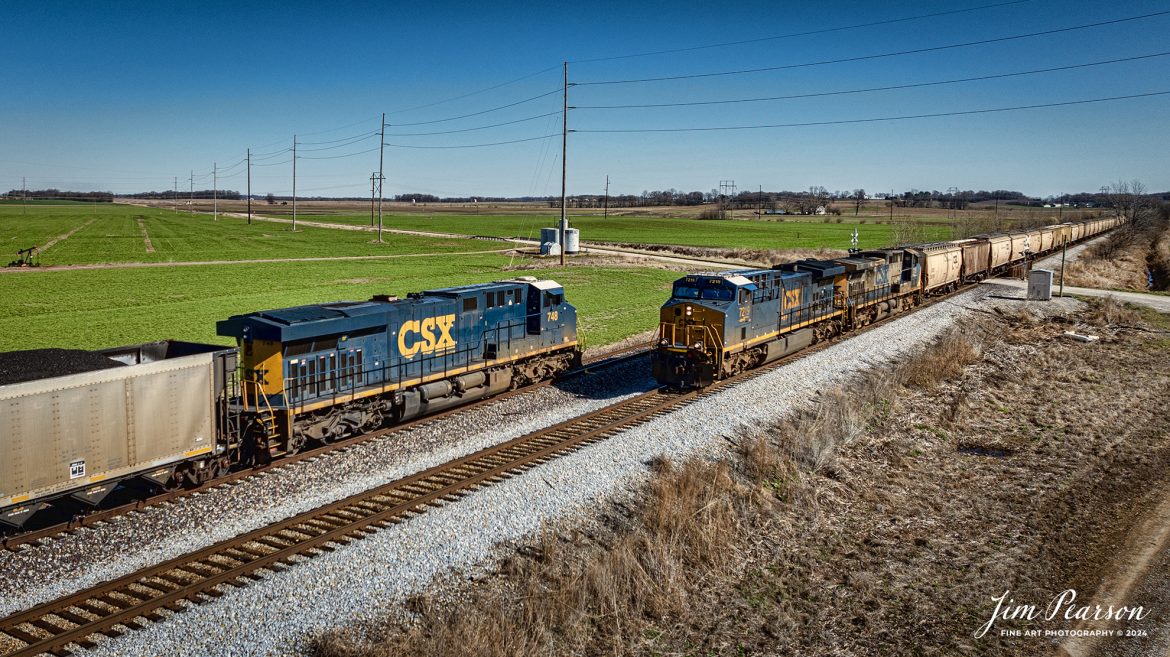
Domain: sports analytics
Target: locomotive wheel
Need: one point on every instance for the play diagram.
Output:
(296, 443)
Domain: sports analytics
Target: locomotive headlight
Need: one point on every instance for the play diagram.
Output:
(689, 312)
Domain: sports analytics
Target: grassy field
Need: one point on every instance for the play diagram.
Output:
(115, 233)
(790, 234)
(111, 307)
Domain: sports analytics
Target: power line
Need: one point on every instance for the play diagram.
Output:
(482, 127)
(882, 118)
(496, 143)
(474, 93)
(873, 89)
(272, 164)
(335, 157)
(798, 34)
(486, 111)
(364, 135)
(860, 58)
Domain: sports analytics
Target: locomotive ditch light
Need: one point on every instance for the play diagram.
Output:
(688, 311)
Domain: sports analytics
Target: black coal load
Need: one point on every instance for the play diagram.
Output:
(18, 366)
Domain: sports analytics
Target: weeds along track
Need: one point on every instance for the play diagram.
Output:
(150, 594)
(128, 602)
(13, 541)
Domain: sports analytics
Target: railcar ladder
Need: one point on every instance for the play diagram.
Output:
(264, 413)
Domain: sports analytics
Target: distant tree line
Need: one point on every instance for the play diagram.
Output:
(58, 195)
(199, 194)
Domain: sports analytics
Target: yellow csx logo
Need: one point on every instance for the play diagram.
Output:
(427, 336)
(792, 298)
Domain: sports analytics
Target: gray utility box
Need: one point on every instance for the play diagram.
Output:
(1040, 285)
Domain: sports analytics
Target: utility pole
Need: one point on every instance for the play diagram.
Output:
(726, 190)
(605, 212)
(214, 191)
(249, 158)
(891, 207)
(381, 177)
(23, 195)
(191, 192)
(997, 226)
(294, 227)
(564, 167)
(760, 203)
(373, 178)
(175, 196)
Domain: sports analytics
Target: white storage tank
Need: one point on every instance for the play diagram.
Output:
(572, 240)
(550, 248)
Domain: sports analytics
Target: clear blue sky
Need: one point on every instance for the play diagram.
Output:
(125, 96)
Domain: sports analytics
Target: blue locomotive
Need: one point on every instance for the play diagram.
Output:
(329, 371)
(718, 324)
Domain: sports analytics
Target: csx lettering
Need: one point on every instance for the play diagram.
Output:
(426, 340)
(792, 298)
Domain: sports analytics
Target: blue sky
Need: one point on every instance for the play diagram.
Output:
(126, 96)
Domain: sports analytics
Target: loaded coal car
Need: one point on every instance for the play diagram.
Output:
(75, 424)
(321, 373)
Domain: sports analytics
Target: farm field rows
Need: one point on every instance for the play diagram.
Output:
(111, 307)
(789, 234)
(114, 233)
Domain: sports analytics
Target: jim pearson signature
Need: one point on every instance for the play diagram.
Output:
(1063, 606)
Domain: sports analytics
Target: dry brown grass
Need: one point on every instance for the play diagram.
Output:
(860, 526)
(560, 598)
(601, 597)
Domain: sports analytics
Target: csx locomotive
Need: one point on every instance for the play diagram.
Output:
(183, 413)
(718, 324)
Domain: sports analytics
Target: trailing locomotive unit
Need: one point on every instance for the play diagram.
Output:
(716, 325)
(329, 371)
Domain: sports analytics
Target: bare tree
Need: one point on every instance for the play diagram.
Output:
(858, 199)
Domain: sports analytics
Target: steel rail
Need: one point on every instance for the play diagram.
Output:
(52, 626)
(15, 540)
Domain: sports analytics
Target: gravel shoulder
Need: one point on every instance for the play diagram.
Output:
(276, 615)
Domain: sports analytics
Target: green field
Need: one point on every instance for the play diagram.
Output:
(112, 233)
(111, 307)
(806, 232)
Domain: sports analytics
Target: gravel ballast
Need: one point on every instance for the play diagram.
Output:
(368, 578)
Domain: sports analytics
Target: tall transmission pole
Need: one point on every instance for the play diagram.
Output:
(381, 178)
(564, 168)
(214, 191)
(249, 158)
(605, 213)
(373, 182)
(294, 227)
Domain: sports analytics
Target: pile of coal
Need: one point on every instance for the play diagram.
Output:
(17, 366)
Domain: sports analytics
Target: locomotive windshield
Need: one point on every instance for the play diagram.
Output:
(685, 292)
(717, 293)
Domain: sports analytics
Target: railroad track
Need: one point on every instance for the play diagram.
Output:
(132, 601)
(13, 541)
